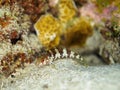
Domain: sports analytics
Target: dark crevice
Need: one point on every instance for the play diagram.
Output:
(15, 40)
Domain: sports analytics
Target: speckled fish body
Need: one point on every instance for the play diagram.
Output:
(47, 57)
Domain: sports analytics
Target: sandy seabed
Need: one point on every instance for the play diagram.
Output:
(64, 75)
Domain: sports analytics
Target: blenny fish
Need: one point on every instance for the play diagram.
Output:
(49, 56)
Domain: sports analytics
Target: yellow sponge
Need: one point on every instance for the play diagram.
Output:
(48, 30)
(67, 10)
(78, 32)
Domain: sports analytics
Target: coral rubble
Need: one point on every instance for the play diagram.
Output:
(15, 45)
(34, 8)
(110, 50)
